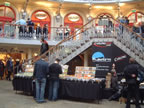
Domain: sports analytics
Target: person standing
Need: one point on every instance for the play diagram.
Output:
(1, 69)
(22, 26)
(9, 66)
(30, 25)
(55, 69)
(41, 70)
(131, 73)
(44, 46)
(45, 31)
(38, 31)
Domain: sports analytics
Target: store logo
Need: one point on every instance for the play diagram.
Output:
(116, 59)
(73, 17)
(99, 57)
(102, 44)
(41, 15)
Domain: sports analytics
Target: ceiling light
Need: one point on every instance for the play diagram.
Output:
(103, 7)
(44, 3)
(121, 4)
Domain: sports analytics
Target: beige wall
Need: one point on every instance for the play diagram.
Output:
(81, 9)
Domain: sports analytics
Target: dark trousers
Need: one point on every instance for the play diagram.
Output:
(53, 89)
(133, 92)
(9, 75)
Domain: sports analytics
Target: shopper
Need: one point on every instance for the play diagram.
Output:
(45, 31)
(38, 31)
(30, 25)
(41, 70)
(17, 67)
(1, 69)
(9, 66)
(131, 73)
(22, 26)
(44, 46)
(55, 70)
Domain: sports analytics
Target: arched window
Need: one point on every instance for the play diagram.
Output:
(7, 15)
(137, 17)
(104, 18)
(74, 21)
(42, 18)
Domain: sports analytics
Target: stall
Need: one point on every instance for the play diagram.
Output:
(84, 87)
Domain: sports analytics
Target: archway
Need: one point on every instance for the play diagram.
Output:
(7, 15)
(74, 21)
(135, 17)
(42, 18)
(104, 18)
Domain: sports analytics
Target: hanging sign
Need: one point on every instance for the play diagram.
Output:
(73, 17)
(41, 15)
(133, 10)
(7, 3)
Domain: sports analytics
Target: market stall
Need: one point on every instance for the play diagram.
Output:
(79, 86)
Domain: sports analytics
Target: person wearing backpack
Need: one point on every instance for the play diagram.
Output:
(131, 74)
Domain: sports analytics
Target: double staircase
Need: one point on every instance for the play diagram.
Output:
(82, 39)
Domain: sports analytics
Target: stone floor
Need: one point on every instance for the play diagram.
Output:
(9, 99)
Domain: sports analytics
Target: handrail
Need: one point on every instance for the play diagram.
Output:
(129, 29)
(73, 35)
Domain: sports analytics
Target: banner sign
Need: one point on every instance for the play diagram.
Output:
(104, 55)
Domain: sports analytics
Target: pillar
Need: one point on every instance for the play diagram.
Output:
(85, 58)
(29, 55)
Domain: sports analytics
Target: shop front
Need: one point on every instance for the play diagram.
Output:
(16, 55)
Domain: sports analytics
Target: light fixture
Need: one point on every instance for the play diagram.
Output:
(58, 15)
(118, 9)
(44, 4)
(103, 7)
(89, 16)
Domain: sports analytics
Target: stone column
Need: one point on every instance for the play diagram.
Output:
(29, 55)
(85, 58)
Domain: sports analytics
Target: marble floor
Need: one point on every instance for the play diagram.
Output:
(9, 99)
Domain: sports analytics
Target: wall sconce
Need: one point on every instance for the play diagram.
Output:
(58, 17)
(89, 17)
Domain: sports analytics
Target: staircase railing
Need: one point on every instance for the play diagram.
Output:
(87, 32)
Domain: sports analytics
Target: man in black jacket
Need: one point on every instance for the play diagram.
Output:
(131, 73)
(44, 46)
(41, 70)
(55, 69)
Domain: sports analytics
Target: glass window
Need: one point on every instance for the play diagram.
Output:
(140, 17)
(9, 13)
(1, 11)
(132, 18)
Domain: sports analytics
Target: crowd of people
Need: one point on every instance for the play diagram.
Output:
(27, 28)
(10, 68)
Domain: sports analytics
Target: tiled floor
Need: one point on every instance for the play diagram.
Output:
(9, 99)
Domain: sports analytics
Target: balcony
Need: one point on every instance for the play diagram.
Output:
(26, 35)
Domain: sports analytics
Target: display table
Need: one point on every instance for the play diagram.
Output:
(74, 89)
(23, 84)
(79, 89)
